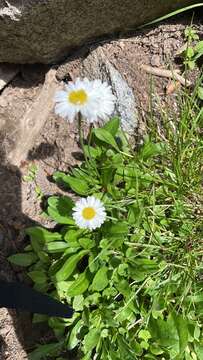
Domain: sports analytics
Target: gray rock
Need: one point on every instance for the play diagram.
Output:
(97, 66)
(126, 107)
(47, 30)
(7, 73)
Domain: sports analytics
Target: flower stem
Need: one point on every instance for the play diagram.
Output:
(125, 154)
(81, 139)
(91, 161)
(89, 143)
(90, 137)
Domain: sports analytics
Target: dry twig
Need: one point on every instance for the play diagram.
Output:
(166, 73)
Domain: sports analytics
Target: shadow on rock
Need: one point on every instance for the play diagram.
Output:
(16, 331)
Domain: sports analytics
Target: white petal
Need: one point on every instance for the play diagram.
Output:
(97, 220)
(100, 100)
(60, 96)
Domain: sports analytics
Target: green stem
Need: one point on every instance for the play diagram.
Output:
(91, 160)
(125, 154)
(90, 140)
(81, 139)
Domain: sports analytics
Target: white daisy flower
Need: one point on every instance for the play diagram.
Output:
(93, 99)
(89, 213)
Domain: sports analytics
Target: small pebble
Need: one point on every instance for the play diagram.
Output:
(155, 60)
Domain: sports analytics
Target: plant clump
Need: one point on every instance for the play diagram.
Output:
(135, 280)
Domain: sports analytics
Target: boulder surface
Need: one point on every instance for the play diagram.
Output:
(46, 31)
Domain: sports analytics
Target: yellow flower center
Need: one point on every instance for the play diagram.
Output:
(78, 97)
(88, 213)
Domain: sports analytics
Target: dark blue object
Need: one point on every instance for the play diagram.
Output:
(15, 295)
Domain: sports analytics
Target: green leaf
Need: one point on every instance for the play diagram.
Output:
(191, 64)
(198, 50)
(28, 248)
(39, 236)
(199, 46)
(85, 175)
(172, 333)
(56, 247)
(197, 332)
(135, 214)
(59, 177)
(144, 345)
(116, 233)
(93, 152)
(38, 318)
(44, 257)
(144, 335)
(107, 173)
(126, 313)
(112, 126)
(120, 228)
(80, 285)
(117, 160)
(78, 303)
(156, 350)
(123, 287)
(64, 203)
(37, 232)
(71, 237)
(60, 209)
(43, 351)
(87, 243)
(37, 244)
(113, 356)
(163, 333)
(73, 339)
(92, 299)
(199, 349)
(123, 270)
(182, 329)
(38, 276)
(91, 339)
(78, 182)
(69, 266)
(79, 186)
(141, 267)
(189, 52)
(87, 356)
(106, 137)
(125, 349)
(151, 149)
(200, 92)
(100, 280)
(23, 259)
(62, 288)
(146, 264)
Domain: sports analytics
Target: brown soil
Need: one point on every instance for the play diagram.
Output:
(55, 148)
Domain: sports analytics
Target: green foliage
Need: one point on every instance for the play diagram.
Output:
(192, 54)
(32, 173)
(23, 259)
(200, 92)
(69, 266)
(60, 208)
(194, 48)
(136, 282)
(46, 350)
